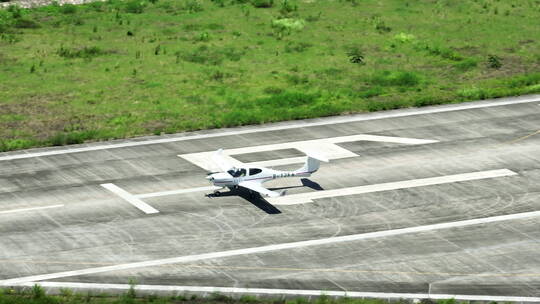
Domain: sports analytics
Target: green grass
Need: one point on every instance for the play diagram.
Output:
(115, 69)
(37, 295)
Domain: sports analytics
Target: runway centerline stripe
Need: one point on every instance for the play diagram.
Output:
(290, 125)
(275, 247)
(308, 197)
(268, 291)
(30, 209)
(130, 198)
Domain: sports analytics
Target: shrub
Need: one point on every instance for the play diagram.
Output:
(356, 55)
(262, 3)
(15, 10)
(297, 47)
(396, 78)
(523, 81)
(286, 99)
(248, 299)
(371, 92)
(6, 20)
(193, 6)
(203, 55)
(472, 93)
(85, 52)
(37, 292)
(466, 64)
(381, 27)
(443, 52)
(232, 54)
(26, 23)
(373, 105)
(404, 38)
(494, 62)
(134, 7)
(287, 8)
(68, 9)
(273, 90)
(427, 101)
(287, 25)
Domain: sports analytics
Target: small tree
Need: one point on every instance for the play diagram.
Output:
(37, 292)
(494, 61)
(356, 56)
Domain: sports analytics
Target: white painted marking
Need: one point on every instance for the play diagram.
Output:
(268, 291)
(276, 247)
(130, 198)
(173, 192)
(289, 125)
(30, 209)
(325, 146)
(308, 197)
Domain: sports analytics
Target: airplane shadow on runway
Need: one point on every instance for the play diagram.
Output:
(258, 201)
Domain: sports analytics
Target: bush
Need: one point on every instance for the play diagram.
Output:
(6, 20)
(396, 78)
(26, 23)
(443, 52)
(134, 7)
(381, 27)
(356, 55)
(85, 52)
(494, 62)
(287, 8)
(37, 292)
(523, 81)
(297, 47)
(371, 92)
(262, 3)
(467, 64)
(68, 9)
(273, 90)
(404, 38)
(193, 6)
(285, 100)
(287, 25)
(202, 55)
(373, 105)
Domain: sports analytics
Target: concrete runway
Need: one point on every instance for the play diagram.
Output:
(433, 201)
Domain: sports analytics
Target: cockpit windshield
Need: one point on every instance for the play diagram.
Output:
(235, 172)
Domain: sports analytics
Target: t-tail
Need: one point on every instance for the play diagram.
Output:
(312, 164)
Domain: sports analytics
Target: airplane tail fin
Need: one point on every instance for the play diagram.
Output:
(312, 164)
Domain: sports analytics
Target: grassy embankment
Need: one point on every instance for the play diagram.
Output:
(117, 69)
(37, 295)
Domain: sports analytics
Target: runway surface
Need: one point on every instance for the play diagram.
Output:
(413, 203)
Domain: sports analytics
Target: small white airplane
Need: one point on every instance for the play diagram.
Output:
(252, 178)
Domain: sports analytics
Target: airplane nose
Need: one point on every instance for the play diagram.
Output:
(210, 178)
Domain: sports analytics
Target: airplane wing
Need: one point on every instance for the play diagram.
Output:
(220, 161)
(257, 187)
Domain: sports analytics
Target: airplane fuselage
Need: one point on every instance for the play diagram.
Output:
(232, 179)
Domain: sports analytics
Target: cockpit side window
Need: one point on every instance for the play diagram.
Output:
(237, 172)
(253, 171)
